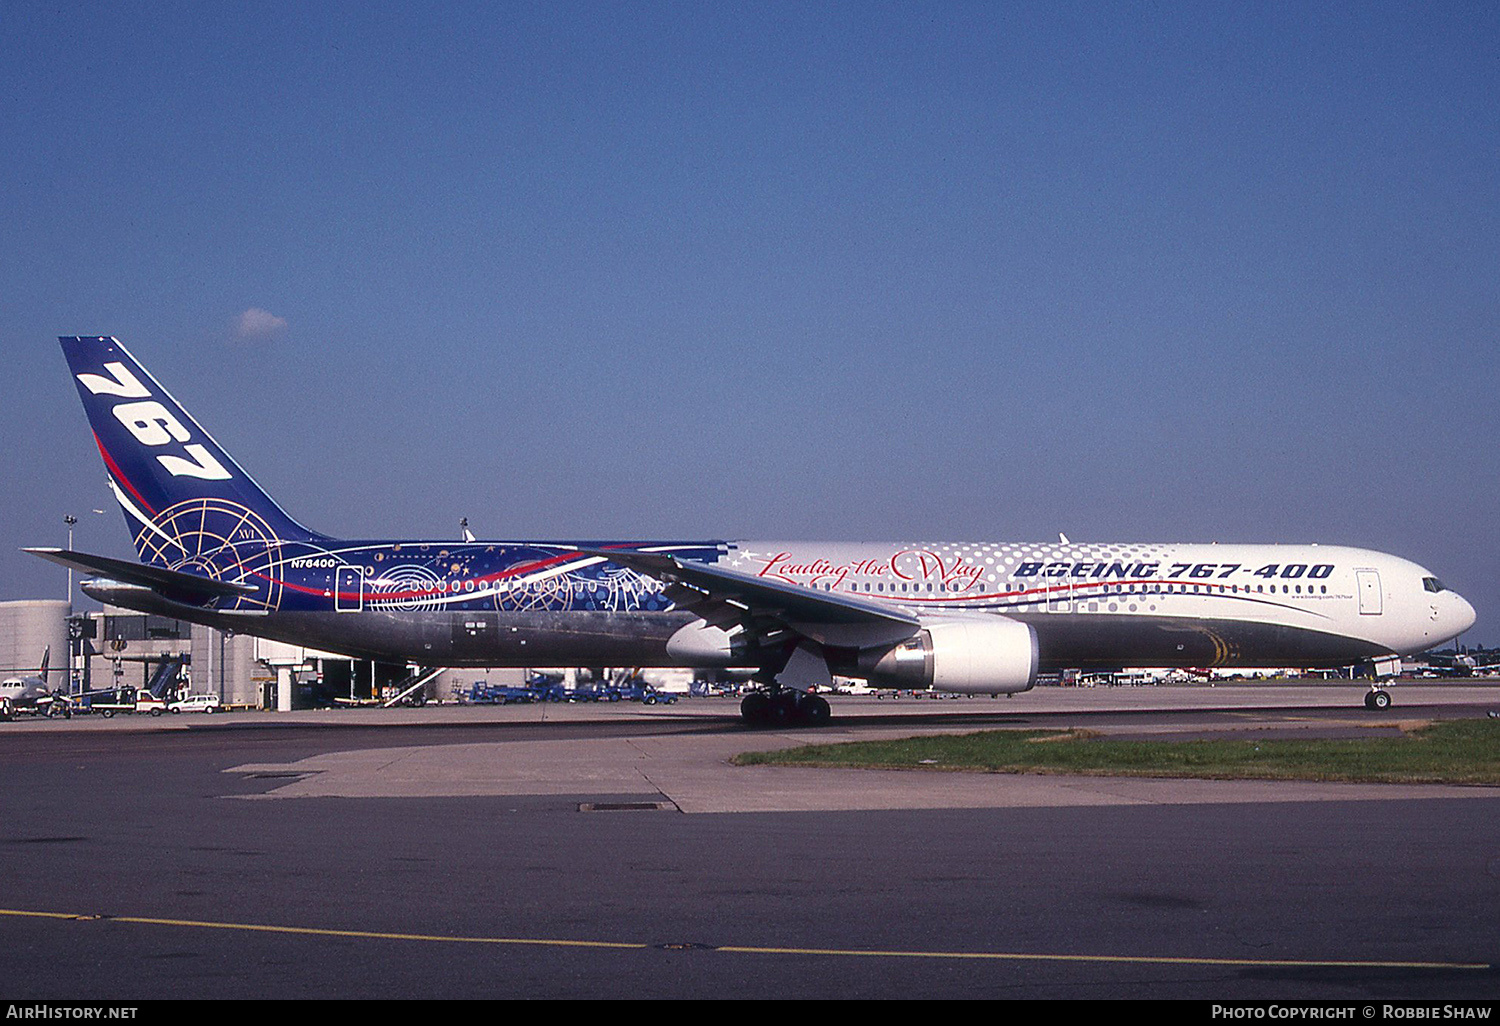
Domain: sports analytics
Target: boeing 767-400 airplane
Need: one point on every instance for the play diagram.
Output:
(975, 617)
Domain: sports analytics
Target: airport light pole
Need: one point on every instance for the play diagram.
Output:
(70, 520)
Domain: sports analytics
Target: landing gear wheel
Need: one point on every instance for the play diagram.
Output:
(754, 707)
(813, 710)
(769, 709)
(782, 710)
(1378, 700)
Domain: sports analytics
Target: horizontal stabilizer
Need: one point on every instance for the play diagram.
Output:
(156, 578)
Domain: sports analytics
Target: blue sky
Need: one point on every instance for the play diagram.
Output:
(1162, 272)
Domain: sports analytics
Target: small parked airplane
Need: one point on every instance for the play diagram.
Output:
(32, 695)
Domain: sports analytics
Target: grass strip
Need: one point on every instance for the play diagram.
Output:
(1448, 752)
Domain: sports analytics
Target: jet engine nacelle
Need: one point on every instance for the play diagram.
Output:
(982, 656)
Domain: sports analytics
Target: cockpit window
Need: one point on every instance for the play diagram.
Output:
(1433, 584)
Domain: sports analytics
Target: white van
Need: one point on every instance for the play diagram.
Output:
(196, 703)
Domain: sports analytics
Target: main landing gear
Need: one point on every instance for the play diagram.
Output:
(1378, 698)
(784, 707)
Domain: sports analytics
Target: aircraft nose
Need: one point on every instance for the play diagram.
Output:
(1465, 615)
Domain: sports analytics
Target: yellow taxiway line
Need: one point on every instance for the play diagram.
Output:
(993, 956)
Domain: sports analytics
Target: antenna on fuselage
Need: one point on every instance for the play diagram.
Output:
(463, 523)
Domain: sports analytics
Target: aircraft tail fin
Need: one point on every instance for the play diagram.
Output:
(182, 494)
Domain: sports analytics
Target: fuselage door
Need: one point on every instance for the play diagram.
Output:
(1059, 595)
(349, 589)
(1369, 591)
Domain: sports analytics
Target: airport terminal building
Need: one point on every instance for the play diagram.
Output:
(29, 630)
(115, 648)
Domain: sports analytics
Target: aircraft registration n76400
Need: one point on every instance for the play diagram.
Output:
(975, 617)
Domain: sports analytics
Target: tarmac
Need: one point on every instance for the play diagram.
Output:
(686, 765)
(615, 851)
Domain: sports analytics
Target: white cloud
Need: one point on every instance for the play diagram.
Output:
(258, 323)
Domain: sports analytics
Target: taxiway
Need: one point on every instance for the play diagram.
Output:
(612, 851)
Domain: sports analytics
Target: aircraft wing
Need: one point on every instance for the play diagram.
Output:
(171, 583)
(723, 597)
